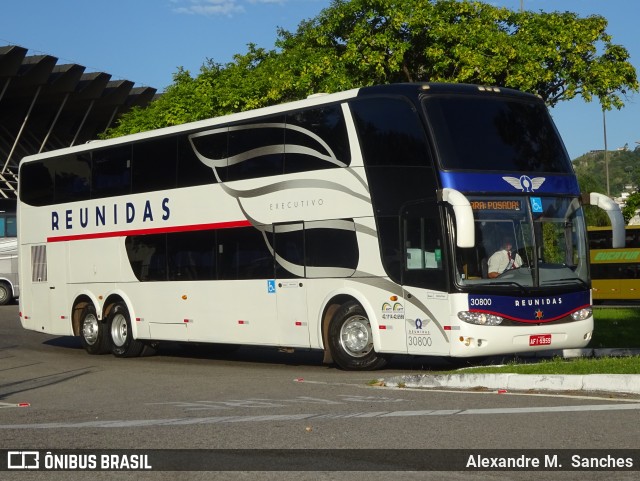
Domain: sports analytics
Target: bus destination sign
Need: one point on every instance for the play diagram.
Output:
(514, 205)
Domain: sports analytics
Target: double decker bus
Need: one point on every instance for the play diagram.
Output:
(615, 273)
(358, 223)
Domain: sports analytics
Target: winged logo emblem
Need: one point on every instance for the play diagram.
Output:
(525, 183)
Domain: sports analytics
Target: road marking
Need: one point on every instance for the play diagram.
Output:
(318, 417)
(264, 403)
(14, 405)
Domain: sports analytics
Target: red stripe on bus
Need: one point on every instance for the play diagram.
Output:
(531, 321)
(157, 230)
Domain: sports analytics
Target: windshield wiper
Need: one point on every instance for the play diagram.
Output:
(563, 282)
(508, 283)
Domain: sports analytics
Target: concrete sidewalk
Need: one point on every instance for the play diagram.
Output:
(596, 383)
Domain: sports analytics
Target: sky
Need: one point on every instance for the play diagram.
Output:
(146, 41)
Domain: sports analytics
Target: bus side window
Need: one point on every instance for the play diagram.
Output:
(316, 139)
(192, 255)
(191, 171)
(256, 149)
(331, 248)
(422, 238)
(111, 172)
(148, 256)
(288, 243)
(72, 178)
(154, 165)
(36, 183)
(243, 254)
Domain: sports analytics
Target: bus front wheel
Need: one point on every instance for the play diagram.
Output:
(122, 342)
(93, 332)
(351, 339)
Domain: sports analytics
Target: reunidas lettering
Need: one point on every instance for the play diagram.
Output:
(109, 215)
(537, 302)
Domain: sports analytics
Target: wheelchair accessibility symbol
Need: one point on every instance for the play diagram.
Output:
(271, 286)
(536, 204)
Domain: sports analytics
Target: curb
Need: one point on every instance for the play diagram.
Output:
(612, 383)
(617, 383)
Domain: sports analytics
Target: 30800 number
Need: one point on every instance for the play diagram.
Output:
(420, 341)
(480, 302)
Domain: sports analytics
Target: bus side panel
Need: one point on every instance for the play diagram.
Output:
(97, 260)
(205, 311)
(428, 325)
(237, 312)
(46, 283)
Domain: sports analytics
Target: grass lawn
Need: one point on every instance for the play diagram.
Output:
(616, 327)
(584, 365)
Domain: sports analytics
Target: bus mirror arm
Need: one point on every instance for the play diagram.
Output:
(465, 226)
(615, 216)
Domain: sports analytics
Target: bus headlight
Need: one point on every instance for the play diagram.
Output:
(480, 318)
(582, 314)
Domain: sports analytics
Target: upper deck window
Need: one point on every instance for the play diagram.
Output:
(495, 133)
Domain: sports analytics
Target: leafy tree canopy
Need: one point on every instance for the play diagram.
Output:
(631, 206)
(355, 43)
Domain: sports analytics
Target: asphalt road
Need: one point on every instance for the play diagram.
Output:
(54, 396)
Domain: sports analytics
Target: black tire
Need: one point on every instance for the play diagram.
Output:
(93, 332)
(351, 340)
(6, 295)
(120, 334)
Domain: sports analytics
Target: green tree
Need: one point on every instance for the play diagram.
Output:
(631, 206)
(355, 43)
(594, 216)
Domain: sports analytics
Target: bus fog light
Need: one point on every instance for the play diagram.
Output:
(480, 318)
(582, 314)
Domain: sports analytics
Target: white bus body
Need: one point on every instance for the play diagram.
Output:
(335, 255)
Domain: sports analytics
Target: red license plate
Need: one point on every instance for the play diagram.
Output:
(540, 340)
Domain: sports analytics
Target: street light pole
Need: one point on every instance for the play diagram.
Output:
(606, 155)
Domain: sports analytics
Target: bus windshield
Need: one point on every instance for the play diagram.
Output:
(516, 135)
(524, 242)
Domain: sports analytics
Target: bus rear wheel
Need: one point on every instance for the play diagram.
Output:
(93, 332)
(5, 293)
(351, 339)
(122, 342)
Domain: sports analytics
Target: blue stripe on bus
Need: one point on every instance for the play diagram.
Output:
(510, 183)
(530, 309)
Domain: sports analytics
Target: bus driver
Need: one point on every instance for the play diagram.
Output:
(502, 260)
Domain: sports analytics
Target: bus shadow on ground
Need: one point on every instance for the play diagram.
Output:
(296, 357)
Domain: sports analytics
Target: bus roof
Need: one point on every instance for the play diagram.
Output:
(311, 101)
